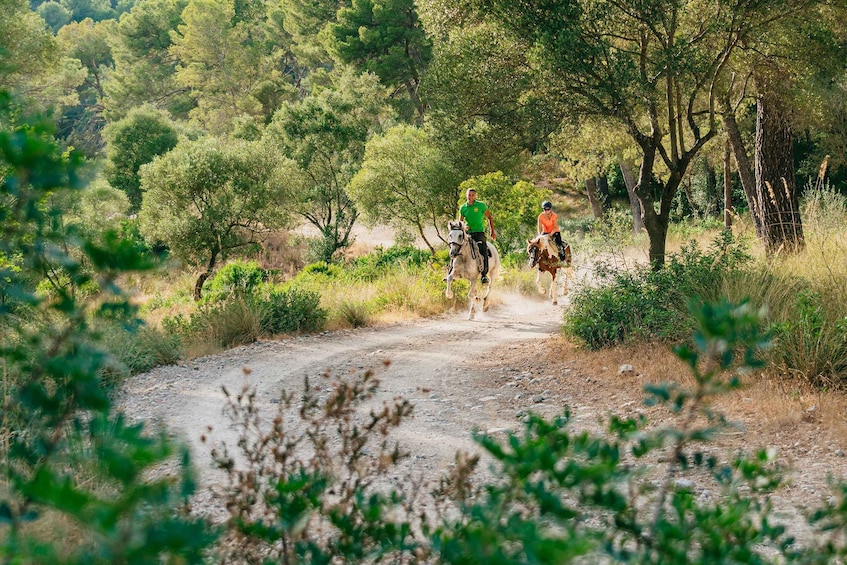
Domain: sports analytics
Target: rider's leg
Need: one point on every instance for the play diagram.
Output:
(479, 238)
(557, 237)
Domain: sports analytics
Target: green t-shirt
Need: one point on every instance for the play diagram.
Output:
(474, 215)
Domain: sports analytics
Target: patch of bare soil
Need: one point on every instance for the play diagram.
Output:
(486, 374)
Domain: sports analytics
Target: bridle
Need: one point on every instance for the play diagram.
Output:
(456, 240)
(533, 255)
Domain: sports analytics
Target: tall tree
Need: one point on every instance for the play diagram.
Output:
(228, 62)
(32, 65)
(208, 198)
(650, 67)
(788, 62)
(137, 139)
(325, 137)
(483, 111)
(87, 42)
(383, 37)
(303, 20)
(144, 67)
(406, 183)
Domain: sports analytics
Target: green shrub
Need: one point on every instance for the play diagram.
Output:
(356, 314)
(289, 311)
(71, 456)
(381, 261)
(811, 341)
(647, 304)
(240, 278)
(226, 324)
(321, 269)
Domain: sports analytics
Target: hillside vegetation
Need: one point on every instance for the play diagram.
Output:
(183, 176)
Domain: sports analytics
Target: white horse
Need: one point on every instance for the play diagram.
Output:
(465, 263)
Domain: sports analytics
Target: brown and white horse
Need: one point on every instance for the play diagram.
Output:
(544, 256)
(465, 264)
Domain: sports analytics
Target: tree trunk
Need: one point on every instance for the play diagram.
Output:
(745, 169)
(201, 280)
(712, 190)
(603, 192)
(727, 186)
(594, 198)
(686, 189)
(634, 203)
(776, 188)
(655, 223)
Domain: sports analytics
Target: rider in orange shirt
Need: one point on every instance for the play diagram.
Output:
(548, 224)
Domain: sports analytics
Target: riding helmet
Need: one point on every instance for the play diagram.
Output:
(546, 205)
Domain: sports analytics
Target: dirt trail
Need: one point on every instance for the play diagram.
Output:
(462, 375)
(434, 364)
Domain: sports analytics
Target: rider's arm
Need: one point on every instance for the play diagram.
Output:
(490, 223)
(540, 229)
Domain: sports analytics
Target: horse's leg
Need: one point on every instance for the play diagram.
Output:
(472, 298)
(553, 290)
(541, 289)
(449, 279)
(485, 296)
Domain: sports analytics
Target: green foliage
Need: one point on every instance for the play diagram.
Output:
(646, 304)
(383, 37)
(28, 48)
(312, 497)
(405, 182)
(321, 269)
(355, 314)
(226, 324)
(514, 206)
(135, 140)
(206, 198)
(285, 311)
(241, 308)
(323, 138)
(60, 418)
(231, 61)
(812, 340)
(240, 278)
(374, 265)
(138, 350)
(55, 14)
(144, 68)
(484, 112)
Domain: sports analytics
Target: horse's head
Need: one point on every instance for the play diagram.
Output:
(455, 237)
(533, 249)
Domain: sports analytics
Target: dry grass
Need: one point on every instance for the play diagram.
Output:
(772, 410)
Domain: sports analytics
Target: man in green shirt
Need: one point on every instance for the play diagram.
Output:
(475, 213)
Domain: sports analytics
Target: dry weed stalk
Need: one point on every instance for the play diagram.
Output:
(313, 482)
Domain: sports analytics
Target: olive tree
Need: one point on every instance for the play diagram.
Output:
(324, 136)
(207, 198)
(405, 183)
